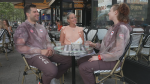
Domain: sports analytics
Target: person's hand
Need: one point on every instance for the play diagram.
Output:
(92, 44)
(46, 52)
(93, 58)
(51, 51)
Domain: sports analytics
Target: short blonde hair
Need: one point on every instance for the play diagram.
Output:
(69, 14)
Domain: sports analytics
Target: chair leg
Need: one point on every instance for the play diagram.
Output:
(115, 80)
(24, 73)
(23, 77)
(63, 80)
(124, 83)
(37, 74)
(122, 76)
(40, 77)
(6, 54)
(96, 79)
(60, 79)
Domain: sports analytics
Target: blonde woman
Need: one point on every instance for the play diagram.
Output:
(71, 33)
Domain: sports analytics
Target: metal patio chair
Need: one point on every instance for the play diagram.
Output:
(135, 45)
(116, 71)
(91, 35)
(101, 33)
(33, 69)
(2, 43)
(36, 72)
(145, 48)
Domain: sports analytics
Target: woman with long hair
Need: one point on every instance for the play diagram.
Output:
(7, 26)
(8, 30)
(112, 46)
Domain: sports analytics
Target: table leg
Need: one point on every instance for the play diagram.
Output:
(73, 70)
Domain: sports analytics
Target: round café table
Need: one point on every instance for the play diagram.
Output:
(74, 50)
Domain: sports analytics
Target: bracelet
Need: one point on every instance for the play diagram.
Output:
(99, 57)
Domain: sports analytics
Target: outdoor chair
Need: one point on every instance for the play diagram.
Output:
(85, 35)
(2, 43)
(86, 30)
(135, 45)
(51, 38)
(35, 71)
(101, 33)
(91, 35)
(117, 71)
(145, 48)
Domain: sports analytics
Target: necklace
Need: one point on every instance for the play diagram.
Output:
(73, 29)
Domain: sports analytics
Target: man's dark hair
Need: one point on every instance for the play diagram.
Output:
(27, 8)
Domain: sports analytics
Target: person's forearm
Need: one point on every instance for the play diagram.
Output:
(28, 50)
(97, 46)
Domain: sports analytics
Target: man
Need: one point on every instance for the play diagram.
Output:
(33, 41)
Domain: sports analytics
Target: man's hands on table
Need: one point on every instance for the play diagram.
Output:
(47, 52)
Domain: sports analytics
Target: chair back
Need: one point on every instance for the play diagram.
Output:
(146, 41)
(101, 33)
(126, 49)
(85, 35)
(147, 30)
(2, 41)
(51, 38)
(1, 33)
(138, 30)
(91, 35)
(137, 39)
(122, 58)
(3, 36)
(85, 30)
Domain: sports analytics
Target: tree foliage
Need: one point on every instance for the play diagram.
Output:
(7, 11)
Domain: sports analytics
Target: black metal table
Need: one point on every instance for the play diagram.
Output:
(68, 50)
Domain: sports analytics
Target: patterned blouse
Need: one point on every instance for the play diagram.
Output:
(71, 34)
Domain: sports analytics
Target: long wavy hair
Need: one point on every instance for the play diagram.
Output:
(123, 10)
(6, 22)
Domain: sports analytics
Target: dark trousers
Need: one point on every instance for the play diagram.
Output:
(87, 68)
(49, 69)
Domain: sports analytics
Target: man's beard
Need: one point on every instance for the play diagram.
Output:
(33, 19)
